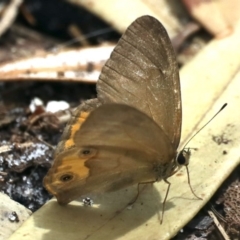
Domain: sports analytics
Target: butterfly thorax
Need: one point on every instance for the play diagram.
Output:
(163, 171)
(168, 169)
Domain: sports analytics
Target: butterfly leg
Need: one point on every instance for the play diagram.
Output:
(138, 192)
(189, 183)
(165, 199)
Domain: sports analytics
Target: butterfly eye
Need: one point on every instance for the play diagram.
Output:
(87, 152)
(183, 157)
(66, 177)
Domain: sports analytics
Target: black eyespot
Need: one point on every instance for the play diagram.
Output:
(66, 177)
(87, 152)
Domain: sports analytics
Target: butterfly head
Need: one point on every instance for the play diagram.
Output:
(183, 157)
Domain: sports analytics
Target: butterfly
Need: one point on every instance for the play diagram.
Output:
(131, 132)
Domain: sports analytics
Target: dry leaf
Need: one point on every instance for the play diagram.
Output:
(120, 13)
(83, 65)
(217, 16)
(12, 215)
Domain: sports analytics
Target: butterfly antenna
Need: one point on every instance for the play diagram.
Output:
(187, 152)
(224, 105)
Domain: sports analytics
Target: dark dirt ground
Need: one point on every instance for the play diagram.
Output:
(27, 144)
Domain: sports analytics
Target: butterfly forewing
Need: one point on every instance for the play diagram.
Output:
(134, 139)
(142, 72)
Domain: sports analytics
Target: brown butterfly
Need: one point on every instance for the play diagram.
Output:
(131, 133)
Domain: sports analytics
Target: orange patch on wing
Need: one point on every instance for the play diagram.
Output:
(71, 163)
(75, 127)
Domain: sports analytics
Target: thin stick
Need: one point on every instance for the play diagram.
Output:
(218, 225)
(218, 214)
(9, 15)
